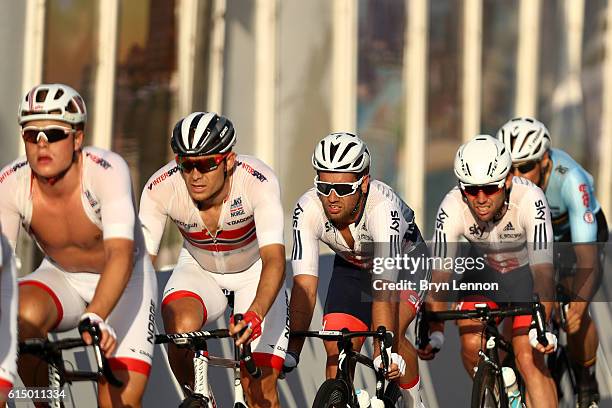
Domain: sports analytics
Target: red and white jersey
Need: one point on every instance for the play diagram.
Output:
(523, 235)
(106, 195)
(251, 216)
(385, 228)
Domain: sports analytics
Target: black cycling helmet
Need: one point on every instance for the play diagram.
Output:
(201, 134)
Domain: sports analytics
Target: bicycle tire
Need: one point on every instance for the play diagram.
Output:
(488, 390)
(333, 393)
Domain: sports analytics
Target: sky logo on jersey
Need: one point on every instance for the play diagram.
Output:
(252, 171)
(540, 209)
(442, 215)
(162, 177)
(584, 189)
(296, 214)
(12, 170)
(236, 208)
(99, 160)
(394, 221)
(476, 231)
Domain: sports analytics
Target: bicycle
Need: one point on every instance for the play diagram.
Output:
(51, 352)
(488, 389)
(340, 391)
(201, 396)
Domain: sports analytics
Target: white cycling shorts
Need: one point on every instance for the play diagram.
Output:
(133, 317)
(189, 279)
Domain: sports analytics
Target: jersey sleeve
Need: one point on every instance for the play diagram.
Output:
(264, 196)
(577, 193)
(448, 228)
(112, 185)
(535, 218)
(153, 215)
(306, 230)
(10, 215)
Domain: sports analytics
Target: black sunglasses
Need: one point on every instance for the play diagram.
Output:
(51, 134)
(488, 189)
(204, 165)
(524, 167)
(341, 189)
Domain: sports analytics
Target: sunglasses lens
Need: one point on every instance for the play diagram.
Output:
(53, 134)
(343, 189)
(203, 165)
(525, 167)
(324, 188)
(487, 190)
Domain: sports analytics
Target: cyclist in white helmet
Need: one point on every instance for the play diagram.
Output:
(578, 220)
(227, 207)
(76, 202)
(507, 223)
(8, 319)
(362, 220)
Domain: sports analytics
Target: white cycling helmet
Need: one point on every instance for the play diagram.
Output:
(52, 101)
(527, 139)
(203, 133)
(483, 160)
(341, 152)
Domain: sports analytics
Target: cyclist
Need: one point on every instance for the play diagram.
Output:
(228, 209)
(360, 219)
(8, 319)
(577, 218)
(500, 216)
(76, 203)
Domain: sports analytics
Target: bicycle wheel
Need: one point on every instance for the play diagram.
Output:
(333, 393)
(488, 390)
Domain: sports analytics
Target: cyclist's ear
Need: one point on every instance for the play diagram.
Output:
(365, 184)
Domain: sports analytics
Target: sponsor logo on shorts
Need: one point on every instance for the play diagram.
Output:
(588, 217)
(151, 323)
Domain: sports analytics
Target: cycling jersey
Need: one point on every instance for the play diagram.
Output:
(8, 316)
(570, 195)
(106, 192)
(251, 216)
(385, 228)
(523, 235)
(106, 196)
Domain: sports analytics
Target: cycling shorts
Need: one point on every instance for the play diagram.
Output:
(515, 288)
(133, 317)
(189, 279)
(349, 298)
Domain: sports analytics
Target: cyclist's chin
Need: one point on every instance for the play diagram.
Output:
(336, 216)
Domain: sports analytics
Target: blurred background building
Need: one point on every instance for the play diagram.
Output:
(413, 77)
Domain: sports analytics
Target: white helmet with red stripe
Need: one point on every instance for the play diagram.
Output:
(52, 102)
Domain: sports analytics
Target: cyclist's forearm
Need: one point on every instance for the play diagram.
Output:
(270, 283)
(301, 308)
(544, 281)
(114, 277)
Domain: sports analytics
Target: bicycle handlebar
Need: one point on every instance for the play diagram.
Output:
(45, 348)
(246, 354)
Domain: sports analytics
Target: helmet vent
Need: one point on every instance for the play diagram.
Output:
(346, 150)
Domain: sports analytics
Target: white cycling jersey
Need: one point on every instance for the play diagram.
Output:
(251, 216)
(386, 228)
(523, 235)
(8, 316)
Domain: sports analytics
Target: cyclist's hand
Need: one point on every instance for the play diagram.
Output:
(292, 359)
(573, 316)
(108, 342)
(252, 322)
(436, 340)
(397, 367)
(552, 342)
